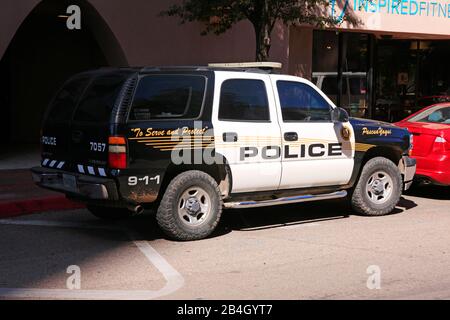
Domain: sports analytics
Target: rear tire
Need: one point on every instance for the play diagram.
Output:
(107, 213)
(379, 188)
(191, 206)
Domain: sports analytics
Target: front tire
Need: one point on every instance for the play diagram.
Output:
(191, 206)
(379, 188)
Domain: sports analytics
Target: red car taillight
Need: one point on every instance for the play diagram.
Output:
(440, 145)
(117, 153)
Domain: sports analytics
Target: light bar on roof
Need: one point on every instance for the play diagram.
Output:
(259, 65)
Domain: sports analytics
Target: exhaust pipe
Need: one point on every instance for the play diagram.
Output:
(136, 209)
(425, 182)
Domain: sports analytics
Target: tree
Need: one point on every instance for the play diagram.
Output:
(220, 15)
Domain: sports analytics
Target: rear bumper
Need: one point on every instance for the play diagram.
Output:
(441, 178)
(408, 171)
(434, 168)
(76, 185)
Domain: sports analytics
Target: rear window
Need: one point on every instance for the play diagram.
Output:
(438, 114)
(98, 101)
(168, 97)
(66, 99)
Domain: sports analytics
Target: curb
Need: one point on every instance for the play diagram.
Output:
(16, 208)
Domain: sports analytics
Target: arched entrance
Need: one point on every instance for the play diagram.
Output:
(41, 56)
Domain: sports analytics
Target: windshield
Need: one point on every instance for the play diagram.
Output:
(438, 114)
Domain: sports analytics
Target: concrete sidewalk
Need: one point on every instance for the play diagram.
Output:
(20, 196)
(20, 156)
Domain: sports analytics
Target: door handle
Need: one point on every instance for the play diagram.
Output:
(290, 136)
(230, 137)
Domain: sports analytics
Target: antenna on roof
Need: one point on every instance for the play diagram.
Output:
(257, 65)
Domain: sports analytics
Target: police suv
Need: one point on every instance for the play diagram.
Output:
(190, 141)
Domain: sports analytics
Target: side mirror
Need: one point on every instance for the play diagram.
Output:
(339, 115)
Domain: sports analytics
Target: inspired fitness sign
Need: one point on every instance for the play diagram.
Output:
(410, 16)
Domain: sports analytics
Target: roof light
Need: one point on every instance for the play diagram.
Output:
(259, 65)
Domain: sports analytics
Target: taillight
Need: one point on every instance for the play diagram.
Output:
(117, 153)
(411, 144)
(440, 145)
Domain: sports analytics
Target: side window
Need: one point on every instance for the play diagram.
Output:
(243, 100)
(300, 102)
(168, 96)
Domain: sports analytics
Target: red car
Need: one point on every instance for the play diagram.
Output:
(430, 128)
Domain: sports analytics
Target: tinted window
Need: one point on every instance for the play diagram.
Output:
(244, 100)
(300, 102)
(168, 96)
(66, 99)
(98, 101)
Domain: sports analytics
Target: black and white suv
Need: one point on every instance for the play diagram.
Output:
(190, 141)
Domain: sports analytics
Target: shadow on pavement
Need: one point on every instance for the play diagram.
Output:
(406, 204)
(430, 192)
(282, 216)
(264, 218)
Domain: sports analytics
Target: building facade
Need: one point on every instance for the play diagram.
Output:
(381, 67)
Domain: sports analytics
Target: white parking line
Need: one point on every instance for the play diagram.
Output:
(174, 279)
(300, 225)
(60, 224)
(283, 226)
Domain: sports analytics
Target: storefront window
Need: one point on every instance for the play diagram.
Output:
(411, 74)
(385, 79)
(354, 74)
(353, 52)
(395, 79)
(434, 70)
(325, 62)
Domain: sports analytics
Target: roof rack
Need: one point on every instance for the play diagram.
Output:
(251, 65)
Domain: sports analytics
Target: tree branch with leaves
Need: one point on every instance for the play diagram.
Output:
(218, 16)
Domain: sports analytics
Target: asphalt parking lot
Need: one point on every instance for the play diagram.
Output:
(307, 251)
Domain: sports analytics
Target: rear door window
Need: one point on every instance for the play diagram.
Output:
(98, 101)
(168, 97)
(244, 100)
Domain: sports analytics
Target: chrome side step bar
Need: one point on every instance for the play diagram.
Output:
(285, 200)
